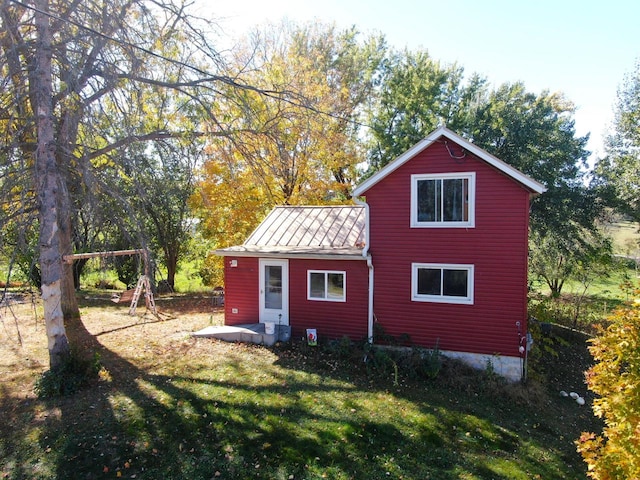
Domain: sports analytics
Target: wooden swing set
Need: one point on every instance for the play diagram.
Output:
(131, 295)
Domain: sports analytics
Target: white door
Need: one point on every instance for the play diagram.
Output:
(274, 291)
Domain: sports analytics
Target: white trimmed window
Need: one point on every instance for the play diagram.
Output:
(443, 200)
(328, 286)
(443, 283)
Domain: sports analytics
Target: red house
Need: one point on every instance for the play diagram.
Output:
(435, 249)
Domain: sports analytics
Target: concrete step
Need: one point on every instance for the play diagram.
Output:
(250, 333)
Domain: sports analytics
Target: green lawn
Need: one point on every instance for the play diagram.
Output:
(170, 406)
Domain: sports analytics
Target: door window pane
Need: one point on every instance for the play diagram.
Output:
(273, 287)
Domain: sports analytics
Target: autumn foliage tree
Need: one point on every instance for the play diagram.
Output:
(81, 81)
(615, 378)
(302, 148)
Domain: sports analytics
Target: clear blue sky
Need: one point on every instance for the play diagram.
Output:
(581, 48)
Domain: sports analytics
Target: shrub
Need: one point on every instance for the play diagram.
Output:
(615, 377)
(423, 363)
(342, 348)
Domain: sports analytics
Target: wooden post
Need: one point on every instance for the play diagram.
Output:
(112, 253)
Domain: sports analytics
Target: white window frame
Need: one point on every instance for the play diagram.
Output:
(469, 223)
(326, 297)
(466, 300)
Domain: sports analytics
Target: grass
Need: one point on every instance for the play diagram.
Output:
(170, 406)
(187, 278)
(626, 237)
(575, 308)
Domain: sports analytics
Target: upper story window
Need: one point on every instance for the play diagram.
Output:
(326, 285)
(443, 200)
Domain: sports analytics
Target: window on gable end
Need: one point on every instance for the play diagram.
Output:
(443, 200)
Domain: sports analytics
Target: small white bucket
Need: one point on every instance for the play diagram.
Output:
(269, 328)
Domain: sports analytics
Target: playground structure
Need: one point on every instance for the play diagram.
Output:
(133, 294)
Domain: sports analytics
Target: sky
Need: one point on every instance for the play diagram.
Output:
(582, 49)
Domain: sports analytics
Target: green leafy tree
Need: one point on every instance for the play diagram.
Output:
(536, 134)
(416, 94)
(77, 76)
(618, 173)
(615, 378)
(556, 259)
(164, 187)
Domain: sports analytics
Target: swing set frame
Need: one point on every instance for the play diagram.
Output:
(143, 280)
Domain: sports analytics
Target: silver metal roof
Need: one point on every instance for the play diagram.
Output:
(310, 231)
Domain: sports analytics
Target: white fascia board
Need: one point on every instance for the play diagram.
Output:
(289, 255)
(391, 167)
(507, 169)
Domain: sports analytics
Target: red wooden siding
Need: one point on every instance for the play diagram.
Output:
(331, 319)
(241, 291)
(497, 247)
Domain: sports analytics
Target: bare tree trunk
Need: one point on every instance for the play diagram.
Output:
(50, 187)
(69, 302)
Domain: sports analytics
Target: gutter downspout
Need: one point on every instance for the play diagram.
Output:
(365, 254)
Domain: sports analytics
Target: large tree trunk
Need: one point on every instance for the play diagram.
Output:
(50, 189)
(172, 266)
(70, 309)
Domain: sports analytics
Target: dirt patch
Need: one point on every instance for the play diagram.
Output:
(23, 342)
(563, 359)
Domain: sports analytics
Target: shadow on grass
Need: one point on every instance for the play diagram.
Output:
(289, 416)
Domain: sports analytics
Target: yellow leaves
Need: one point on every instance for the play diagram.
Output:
(616, 378)
(296, 145)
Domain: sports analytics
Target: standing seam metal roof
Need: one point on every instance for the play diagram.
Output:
(311, 226)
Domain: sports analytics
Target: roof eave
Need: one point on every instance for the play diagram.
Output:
(328, 255)
(531, 184)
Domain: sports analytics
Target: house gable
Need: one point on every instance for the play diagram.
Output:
(524, 180)
(457, 285)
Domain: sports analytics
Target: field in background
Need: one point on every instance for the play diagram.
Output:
(626, 238)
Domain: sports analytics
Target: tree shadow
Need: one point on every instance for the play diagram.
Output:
(304, 420)
(147, 425)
